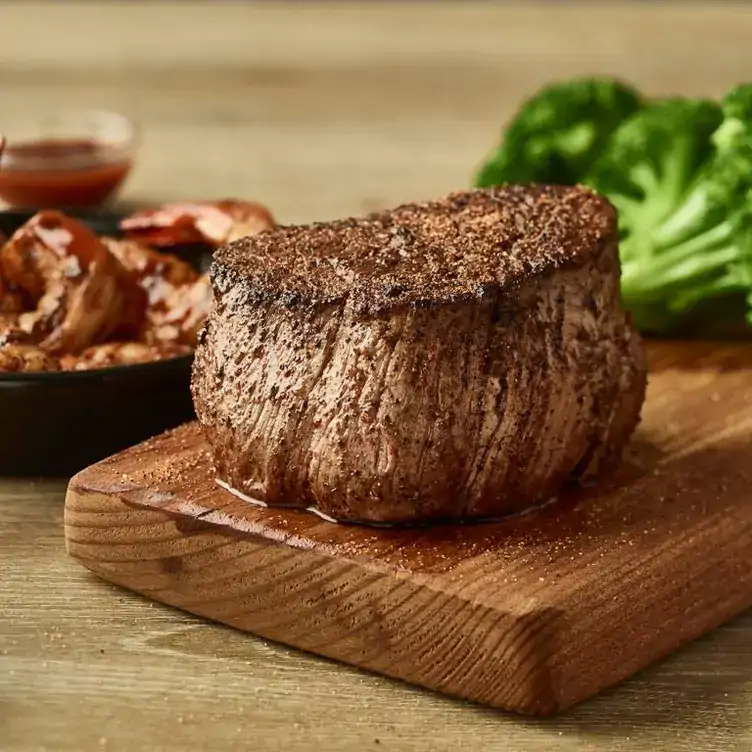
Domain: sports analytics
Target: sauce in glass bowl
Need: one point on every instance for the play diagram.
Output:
(69, 160)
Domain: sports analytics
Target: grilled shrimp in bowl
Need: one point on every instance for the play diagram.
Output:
(99, 315)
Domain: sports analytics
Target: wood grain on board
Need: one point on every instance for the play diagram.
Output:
(532, 614)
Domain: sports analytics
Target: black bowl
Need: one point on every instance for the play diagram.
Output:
(55, 424)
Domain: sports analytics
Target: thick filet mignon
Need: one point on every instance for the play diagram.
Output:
(449, 360)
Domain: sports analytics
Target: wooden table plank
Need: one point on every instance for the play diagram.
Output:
(320, 112)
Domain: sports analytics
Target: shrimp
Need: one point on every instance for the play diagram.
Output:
(121, 354)
(179, 299)
(22, 358)
(11, 306)
(205, 222)
(11, 333)
(157, 273)
(179, 308)
(18, 354)
(184, 313)
(11, 302)
(81, 292)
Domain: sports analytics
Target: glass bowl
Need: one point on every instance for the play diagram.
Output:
(65, 159)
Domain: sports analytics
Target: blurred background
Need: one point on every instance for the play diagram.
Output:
(327, 109)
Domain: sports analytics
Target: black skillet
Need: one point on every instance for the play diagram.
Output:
(54, 424)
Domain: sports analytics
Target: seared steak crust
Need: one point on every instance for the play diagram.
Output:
(451, 360)
(452, 250)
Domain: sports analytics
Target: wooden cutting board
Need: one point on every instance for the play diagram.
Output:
(532, 614)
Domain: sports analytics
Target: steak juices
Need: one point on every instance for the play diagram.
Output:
(451, 360)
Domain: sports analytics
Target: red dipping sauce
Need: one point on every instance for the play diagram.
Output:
(53, 169)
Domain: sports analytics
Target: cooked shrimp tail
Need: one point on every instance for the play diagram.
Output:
(20, 358)
(202, 222)
(121, 354)
(81, 293)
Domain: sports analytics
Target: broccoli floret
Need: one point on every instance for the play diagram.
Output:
(737, 117)
(679, 172)
(651, 159)
(557, 134)
(701, 251)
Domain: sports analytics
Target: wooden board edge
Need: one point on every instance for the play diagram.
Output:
(502, 659)
(542, 668)
(620, 645)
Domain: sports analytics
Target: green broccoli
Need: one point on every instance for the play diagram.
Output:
(689, 245)
(679, 172)
(737, 116)
(557, 134)
(651, 158)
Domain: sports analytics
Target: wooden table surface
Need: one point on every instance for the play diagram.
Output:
(320, 111)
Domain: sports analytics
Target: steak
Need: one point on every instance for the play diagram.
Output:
(450, 360)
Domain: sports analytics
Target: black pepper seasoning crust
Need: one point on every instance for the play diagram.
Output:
(462, 247)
